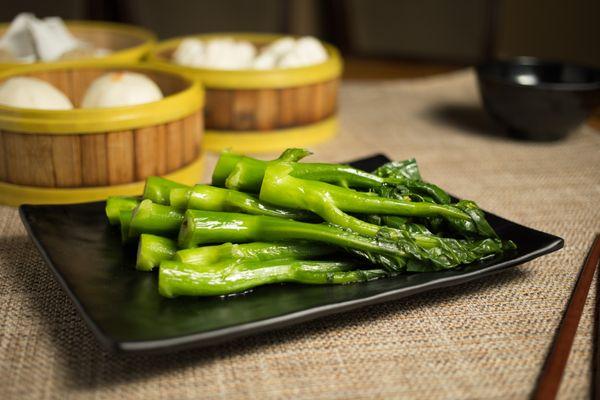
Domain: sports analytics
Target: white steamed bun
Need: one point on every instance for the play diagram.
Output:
(306, 51)
(190, 52)
(230, 54)
(224, 53)
(117, 89)
(28, 92)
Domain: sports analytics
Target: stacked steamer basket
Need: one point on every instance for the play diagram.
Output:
(126, 43)
(264, 110)
(83, 154)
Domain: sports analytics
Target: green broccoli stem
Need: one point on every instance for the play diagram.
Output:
(391, 248)
(207, 227)
(246, 174)
(257, 251)
(156, 219)
(158, 189)
(330, 201)
(116, 204)
(227, 162)
(125, 222)
(229, 277)
(152, 250)
(210, 198)
(179, 198)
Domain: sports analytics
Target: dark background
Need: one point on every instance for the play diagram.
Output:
(450, 31)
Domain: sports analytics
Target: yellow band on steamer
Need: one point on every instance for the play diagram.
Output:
(253, 79)
(271, 141)
(100, 120)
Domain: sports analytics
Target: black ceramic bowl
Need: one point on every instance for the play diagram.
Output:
(538, 100)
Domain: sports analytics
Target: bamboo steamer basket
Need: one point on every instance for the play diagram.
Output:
(69, 156)
(264, 110)
(128, 43)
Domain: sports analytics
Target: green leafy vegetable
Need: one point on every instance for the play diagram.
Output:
(257, 251)
(116, 204)
(227, 277)
(264, 222)
(210, 198)
(152, 250)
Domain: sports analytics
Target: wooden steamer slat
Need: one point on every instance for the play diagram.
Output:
(267, 110)
(94, 161)
(302, 101)
(66, 160)
(191, 137)
(174, 145)
(317, 110)
(219, 108)
(120, 157)
(163, 155)
(331, 97)
(146, 152)
(29, 159)
(287, 111)
(244, 110)
(199, 135)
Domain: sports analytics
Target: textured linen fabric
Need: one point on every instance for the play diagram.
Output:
(485, 339)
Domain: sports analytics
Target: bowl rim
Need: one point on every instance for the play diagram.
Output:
(99, 120)
(128, 54)
(534, 61)
(249, 78)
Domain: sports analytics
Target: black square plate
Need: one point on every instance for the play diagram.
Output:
(123, 308)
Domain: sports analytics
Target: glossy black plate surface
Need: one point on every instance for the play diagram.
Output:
(124, 310)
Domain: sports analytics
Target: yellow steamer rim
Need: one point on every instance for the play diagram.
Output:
(129, 43)
(83, 122)
(249, 80)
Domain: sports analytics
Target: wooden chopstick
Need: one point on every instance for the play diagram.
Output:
(556, 360)
(595, 392)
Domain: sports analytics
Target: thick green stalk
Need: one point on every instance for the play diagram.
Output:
(156, 219)
(246, 174)
(229, 277)
(224, 166)
(116, 204)
(179, 197)
(125, 222)
(158, 189)
(210, 198)
(152, 250)
(254, 168)
(391, 248)
(331, 202)
(257, 251)
(206, 227)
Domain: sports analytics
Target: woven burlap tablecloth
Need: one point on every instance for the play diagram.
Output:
(485, 339)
